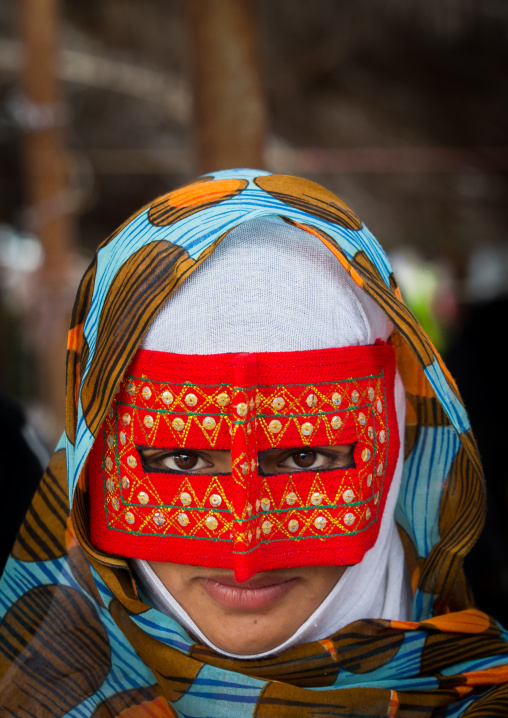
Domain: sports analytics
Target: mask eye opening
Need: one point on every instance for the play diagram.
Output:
(149, 469)
(323, 449)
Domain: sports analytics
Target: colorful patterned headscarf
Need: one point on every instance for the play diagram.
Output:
(76, 640)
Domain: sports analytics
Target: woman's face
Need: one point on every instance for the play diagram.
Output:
(250, 617)
(259, 614)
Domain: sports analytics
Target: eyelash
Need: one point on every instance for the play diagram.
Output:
(329, 455)
(149, 468)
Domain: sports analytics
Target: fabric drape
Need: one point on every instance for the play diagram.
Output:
(76, 640)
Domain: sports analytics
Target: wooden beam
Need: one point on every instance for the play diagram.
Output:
(42, 118)
(229, 104)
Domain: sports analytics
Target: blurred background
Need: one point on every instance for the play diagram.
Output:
(398, 106)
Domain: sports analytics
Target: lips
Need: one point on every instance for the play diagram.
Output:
(259, 593)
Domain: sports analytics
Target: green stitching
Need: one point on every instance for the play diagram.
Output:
(254, 386)
(265, 541)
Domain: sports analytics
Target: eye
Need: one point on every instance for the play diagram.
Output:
(175, 460)
(305, 458)
(185, 462)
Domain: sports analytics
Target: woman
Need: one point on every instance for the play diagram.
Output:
(234, 456)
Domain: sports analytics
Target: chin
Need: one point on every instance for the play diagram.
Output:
(247, 643)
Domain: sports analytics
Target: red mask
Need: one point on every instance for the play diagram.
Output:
(247, 404)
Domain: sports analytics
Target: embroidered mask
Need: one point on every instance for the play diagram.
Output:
(248, 519)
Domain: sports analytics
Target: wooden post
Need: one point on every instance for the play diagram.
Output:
(46, 170)
(230, 113)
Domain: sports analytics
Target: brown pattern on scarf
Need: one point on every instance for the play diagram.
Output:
(42, 533)
(55, 650)
(186, 201)
(146, 279)
(116, 704)
(174, 675)
(311, 198)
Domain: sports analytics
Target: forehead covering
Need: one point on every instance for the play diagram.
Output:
(105, 651)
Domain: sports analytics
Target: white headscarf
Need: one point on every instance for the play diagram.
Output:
(270, 286)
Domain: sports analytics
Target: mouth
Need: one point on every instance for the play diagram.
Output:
(256, 594)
